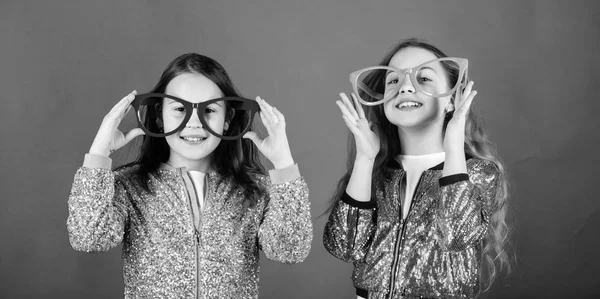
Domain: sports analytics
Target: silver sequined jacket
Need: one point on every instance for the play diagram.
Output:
(435, 252)
(164, 256)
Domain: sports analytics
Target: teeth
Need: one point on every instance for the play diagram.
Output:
(193, 139)
(409, 104)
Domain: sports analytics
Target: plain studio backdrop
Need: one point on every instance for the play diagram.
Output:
(66, 63)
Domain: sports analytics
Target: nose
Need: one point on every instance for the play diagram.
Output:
(406, 85)
(194, 121)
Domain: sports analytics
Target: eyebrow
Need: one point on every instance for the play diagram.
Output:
(426, 67)
(217, 102)
(171, 101)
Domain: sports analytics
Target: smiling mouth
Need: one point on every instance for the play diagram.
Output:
(408, 104)
(193, 139)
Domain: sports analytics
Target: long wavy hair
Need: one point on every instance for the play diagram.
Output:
(236, 159)
(476, 145)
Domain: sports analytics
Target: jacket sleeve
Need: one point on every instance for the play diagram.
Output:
(466, 206)
(350, 228)
(285, 233)
(98, 207)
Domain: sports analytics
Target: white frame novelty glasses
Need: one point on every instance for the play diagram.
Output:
(376, 98)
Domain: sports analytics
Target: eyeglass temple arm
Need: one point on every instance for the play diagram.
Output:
(370, 92)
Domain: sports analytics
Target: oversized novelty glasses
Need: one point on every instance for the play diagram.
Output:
(378, 84)
(155, 110)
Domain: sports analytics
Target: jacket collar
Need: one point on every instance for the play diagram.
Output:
(183, 169)
(394, 164)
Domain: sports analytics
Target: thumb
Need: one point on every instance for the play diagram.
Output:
(133, 133)
(254, 137)
(373, 128)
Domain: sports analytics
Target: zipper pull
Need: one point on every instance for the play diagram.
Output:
(197, 237)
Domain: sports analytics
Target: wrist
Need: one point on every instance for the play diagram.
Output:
(94, 150)
(283, 162)
(363, 160)
(455, 163)
(455, 150)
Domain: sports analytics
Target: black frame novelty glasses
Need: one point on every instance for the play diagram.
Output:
(143, 102)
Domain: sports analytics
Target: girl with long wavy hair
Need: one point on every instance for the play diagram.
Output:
(421, 210)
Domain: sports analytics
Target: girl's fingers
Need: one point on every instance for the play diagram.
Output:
(465, 93)
(363, 124)
(254, 137)
(345, 111)
(468, 88)
(466, 104)
(361, 112)
(132, 134)
(468, 101)
(268, 114)
(268, 109)
(126, 101)
(349, 120)
(266, 122)
(279, 115)
(123, 104)
(127, 109)
(349, 105)
(351, 125)
(131, 99)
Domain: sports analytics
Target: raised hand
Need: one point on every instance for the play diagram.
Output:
(367, 142)
(275, 146)
(454, 137)
(109, 138)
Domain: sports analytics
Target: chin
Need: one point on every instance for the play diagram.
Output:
(406, 124)
(414, 122)
(195, 156)
(194, 152)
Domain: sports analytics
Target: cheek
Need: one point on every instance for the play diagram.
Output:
(438, 106)
(443, 102)
(431, 101)
(435, 106)
(170, 122)
(215, 120)
(388, 109)
(172, 140)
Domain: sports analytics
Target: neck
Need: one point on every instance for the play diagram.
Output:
(421, 140)
(202, 165)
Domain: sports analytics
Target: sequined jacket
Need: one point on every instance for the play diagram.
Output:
(164, 256)
(435, 252)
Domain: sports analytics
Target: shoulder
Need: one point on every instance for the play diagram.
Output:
(257, 178)
(482, 172)
(127, 173)
(261, 179)
(248, 179)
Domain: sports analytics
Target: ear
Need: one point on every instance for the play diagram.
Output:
(228, 119)
(159, 123)
(449, 106)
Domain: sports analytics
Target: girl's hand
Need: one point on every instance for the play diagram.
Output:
(454, 138)
(275, 146)
(367, 142)
(109, 138)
